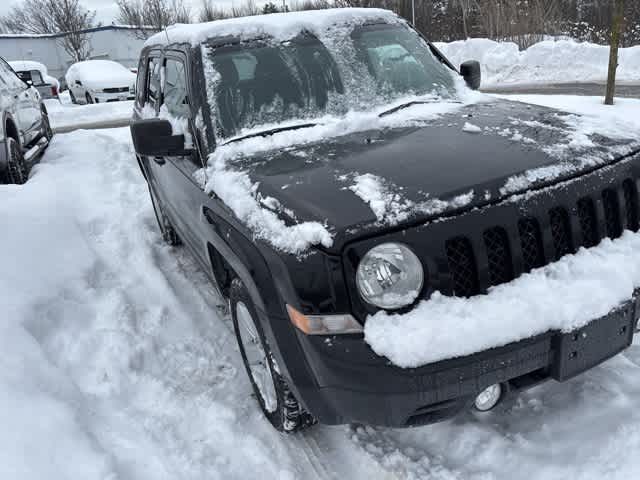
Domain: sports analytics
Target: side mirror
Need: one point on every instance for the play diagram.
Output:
(153, 137)
(78, 82)
(29, 83)
(472, 74)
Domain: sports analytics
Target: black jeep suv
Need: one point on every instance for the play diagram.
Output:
(25, 131)
(324, 167)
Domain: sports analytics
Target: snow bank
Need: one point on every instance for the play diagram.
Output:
(281, 26)
(562, 61)
(67, 115)
(562, 296)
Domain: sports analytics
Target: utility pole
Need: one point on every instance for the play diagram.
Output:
(413, 13)
(616, 31)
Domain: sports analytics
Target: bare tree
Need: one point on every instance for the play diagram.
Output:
(149, 16)
(616, 30)
(54, 16)
(209, 12)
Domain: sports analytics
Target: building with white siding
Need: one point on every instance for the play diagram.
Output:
(111, 42)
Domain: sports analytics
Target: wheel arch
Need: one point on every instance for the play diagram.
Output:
(267, 280)
(10, 128)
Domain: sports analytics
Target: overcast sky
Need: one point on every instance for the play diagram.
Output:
(106, 10)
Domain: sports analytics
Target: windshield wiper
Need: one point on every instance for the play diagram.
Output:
(411, 104)
(271, 131)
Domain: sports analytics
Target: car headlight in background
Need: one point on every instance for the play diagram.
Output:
(390, 276)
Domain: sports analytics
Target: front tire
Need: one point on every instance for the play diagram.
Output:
(73, 97)
(276, 400)
(46, 125)
(17, 169)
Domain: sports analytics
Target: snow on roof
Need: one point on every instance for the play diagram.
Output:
(102, 72)
(27, 65)
(281, 26)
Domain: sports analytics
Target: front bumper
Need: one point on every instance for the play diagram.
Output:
(102, 97)
(353, 384)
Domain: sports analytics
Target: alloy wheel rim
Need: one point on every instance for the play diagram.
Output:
(256, 358)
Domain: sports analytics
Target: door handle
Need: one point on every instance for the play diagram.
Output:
(159, 160)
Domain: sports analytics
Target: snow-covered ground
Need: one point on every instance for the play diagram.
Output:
(563, 61)
(66, 116)
(118, 363)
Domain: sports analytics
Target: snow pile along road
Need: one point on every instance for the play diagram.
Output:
(67, 116)
(563, 61)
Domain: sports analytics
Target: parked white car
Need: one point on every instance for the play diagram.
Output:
(99, 81)
(36, 74)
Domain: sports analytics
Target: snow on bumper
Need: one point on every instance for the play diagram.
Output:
(565, 296)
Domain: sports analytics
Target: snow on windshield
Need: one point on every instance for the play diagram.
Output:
(340, 69)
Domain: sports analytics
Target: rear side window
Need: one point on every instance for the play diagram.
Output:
(141, 82)
(36, 77)
(9, 76)
(175, 92)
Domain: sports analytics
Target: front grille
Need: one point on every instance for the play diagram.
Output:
(588, 222)
(115, 90)
(462, 265)
(561, 232)
(631, 204)
(496, 243)
(611, 213)
(531, 244)
(536, 246)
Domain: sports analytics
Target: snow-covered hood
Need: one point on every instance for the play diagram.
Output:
(472, 156)
(99, 74)
(114, 80)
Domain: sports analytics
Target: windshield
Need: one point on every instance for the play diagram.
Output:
(266, 83)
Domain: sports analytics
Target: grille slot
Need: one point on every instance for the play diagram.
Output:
(588, 222)
(611, 213)
(561, 232)
(462, 265)
(531, 243)
(631, 203)
(496, 242)
(115, 90)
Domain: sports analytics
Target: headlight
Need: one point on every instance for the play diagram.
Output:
(390, 276)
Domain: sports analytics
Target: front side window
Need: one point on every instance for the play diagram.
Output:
(153, 81)
(175, 95)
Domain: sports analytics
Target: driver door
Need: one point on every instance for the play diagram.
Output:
(176, 175)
